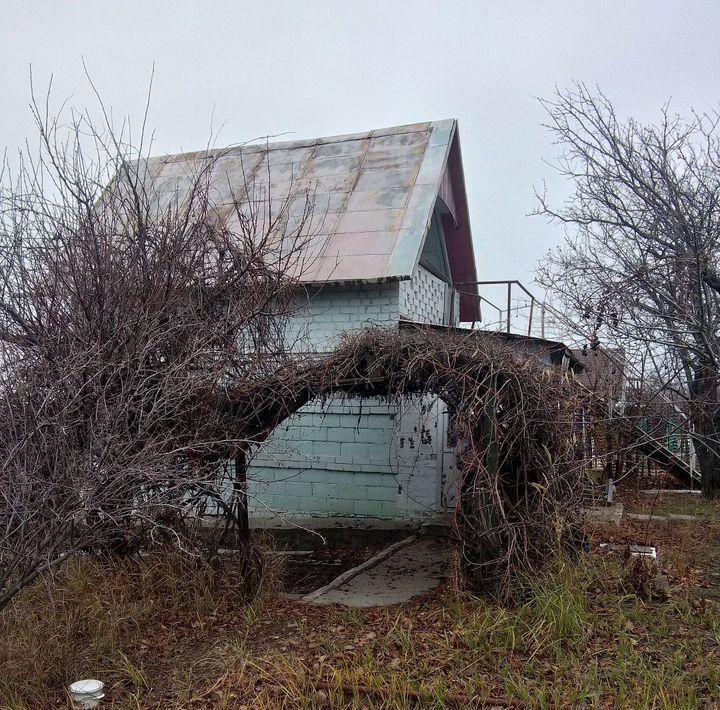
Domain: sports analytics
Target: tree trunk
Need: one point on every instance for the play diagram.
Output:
(707, 447)
(704, 395)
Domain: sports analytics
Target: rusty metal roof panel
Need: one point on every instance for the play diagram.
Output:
(372, 194)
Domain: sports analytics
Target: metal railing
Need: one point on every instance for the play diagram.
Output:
(505, 315)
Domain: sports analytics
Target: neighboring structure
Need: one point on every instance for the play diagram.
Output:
(603, 374)
(393, 239)
(633, 425)
(604, 433)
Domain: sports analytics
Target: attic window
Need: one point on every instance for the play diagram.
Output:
(434, 254)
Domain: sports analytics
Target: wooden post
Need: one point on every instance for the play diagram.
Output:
(240, 496)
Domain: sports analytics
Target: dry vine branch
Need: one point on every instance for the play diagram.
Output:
(514, 422)
(124, 316)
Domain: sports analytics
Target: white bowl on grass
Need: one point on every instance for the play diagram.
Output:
(87, 693)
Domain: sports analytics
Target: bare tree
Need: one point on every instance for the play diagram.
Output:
(639, 266)
(131, 326)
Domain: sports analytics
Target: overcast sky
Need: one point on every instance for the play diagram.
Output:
(320, 67)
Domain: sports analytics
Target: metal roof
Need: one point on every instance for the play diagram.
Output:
(373, 194)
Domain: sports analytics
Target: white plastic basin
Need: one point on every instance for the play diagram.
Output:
(87, 693)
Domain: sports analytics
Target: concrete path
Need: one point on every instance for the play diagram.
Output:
(664, 517)
(411, 570)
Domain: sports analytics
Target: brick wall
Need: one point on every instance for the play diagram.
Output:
(324, 315)
(419, 457)
(351, 458)
(332, 458)
(344, 457)
(424, 297)
(419, 453)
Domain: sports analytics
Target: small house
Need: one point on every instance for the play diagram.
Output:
(398, 244)
(393, 245)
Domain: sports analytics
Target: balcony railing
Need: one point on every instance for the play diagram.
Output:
(520, 312)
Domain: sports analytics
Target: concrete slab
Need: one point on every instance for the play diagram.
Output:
(411, 570)
(643, 516)
(666, 517)
(606, 514)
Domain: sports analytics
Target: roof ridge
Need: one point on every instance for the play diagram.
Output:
(256, 145)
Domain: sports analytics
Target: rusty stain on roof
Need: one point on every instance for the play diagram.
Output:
(372, 194)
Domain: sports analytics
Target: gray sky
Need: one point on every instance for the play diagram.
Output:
(320, 67)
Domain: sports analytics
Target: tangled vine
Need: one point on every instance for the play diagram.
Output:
(513, 421)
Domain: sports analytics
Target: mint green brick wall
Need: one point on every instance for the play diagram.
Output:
(332, 459)
(381, 466)
(326, 314)
(342, 458)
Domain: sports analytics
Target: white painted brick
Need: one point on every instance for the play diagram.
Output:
(423, 297)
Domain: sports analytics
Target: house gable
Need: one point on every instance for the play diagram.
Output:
(373, 196)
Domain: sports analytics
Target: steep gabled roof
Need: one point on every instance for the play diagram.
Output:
(374, 194)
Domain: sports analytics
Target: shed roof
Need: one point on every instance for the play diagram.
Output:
(373, 197)
(555, 350)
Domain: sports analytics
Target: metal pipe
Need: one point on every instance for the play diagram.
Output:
(532, 306)
(509, 283)
(497, 308)
(481, 300)
(509, 303)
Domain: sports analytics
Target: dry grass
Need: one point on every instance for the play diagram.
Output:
(169, 634)
(668, 503)
(166, 634)
(100, 618)
(579, 638)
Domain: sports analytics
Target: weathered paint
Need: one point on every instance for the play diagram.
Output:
(372, 195)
